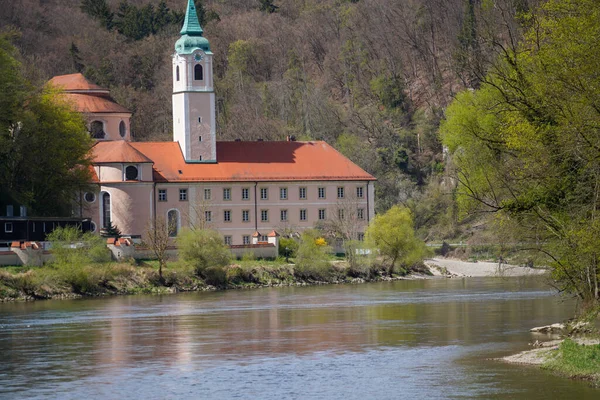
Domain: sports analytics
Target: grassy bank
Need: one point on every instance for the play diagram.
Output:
(577, 361)
(28, 283)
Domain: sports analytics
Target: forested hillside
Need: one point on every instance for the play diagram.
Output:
(371, 77)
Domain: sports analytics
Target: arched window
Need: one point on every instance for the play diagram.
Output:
(173, 223)
(198, 75)
(131, 173)
(177, 73)
(97, 130)
(122, 129)
(105, 210)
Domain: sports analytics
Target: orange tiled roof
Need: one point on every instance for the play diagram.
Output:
(89, 103)
(117, 151)
(75, 82)
(253, 161)
(86, 96)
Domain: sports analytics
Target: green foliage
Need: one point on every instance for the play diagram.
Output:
(267, 6)
(99, 10)
(44, 144)
(203, 248)
(393, 235)
(290, 244)
(360, 258)
(576, 360)
(111, 231)
(215, 276)
(312, 260)
(525, 144)
(72, 248)
(390, 91)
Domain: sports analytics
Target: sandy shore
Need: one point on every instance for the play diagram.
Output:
(460, 268)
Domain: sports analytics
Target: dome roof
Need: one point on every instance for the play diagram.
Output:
(187, 44)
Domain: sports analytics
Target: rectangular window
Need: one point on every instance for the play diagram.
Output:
(8, 227)
(263, 238)
(226, 194)
(340, 192)
(264, 193)
(359, 192)
(207, 194)
(264, 215)
(321, 191)
(162, 194)
(228, 241)
(303, 214)
(360, 213)
(245, 215)
(245, 194)
(284, 215)
(361, 236)
(302, 193)
(246, 239)
(321, 214)
(341, 213)
(283, 193)
(199, 137)
(208, 216)
(182, 194)
(227, 215)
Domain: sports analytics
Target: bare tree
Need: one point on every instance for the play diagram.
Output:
(158, 240)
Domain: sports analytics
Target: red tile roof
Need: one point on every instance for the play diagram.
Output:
(75, 82)
(86, 96)
(253, 161)
(88, 103)
(117, 151)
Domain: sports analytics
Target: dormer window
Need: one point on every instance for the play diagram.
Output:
(198, 73)
(97, 130)
(131, 173)
(122, 129)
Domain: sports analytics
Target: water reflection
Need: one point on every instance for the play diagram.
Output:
(419, 327)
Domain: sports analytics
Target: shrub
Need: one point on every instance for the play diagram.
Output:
(290, 244)
(215, 276)
(71, 248)
(312, 261)
(202, 249)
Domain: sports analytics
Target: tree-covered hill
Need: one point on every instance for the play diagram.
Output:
(371, 77)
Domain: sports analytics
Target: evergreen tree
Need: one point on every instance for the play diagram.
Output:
(75, 57)
(111, 231)
(268, 6)
(99, 10)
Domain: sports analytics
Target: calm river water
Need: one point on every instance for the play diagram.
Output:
(400, 340)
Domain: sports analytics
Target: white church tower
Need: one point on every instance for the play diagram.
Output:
(194, 124)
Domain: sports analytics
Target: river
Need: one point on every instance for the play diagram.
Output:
(394, 340)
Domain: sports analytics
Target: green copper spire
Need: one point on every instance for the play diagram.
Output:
(191, 26)
(191, 34)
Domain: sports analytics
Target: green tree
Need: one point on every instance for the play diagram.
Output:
(76, 58)
(268, 6)
(526, 146)
(312, 260)
(44, 144)
(393, 235)
(203, 249)
(99, 10)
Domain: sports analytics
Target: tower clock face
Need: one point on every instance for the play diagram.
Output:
(198, 56)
